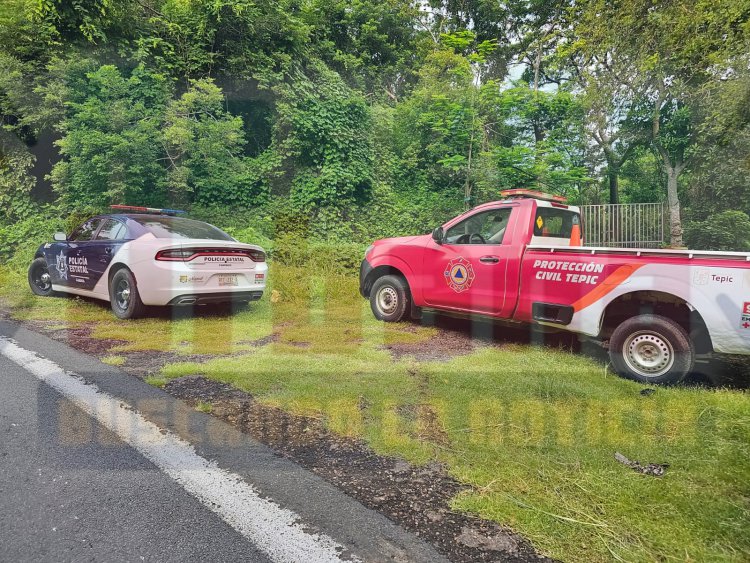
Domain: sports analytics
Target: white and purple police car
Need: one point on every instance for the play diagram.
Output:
(139, 256)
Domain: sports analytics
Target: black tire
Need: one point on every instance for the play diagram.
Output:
(652, 349)
(390, 300)
(39, 280)
(124, 297)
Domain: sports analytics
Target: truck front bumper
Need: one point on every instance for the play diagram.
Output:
(364, 270)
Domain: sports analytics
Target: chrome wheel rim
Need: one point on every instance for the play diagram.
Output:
(648, 354)
(42, 279)
(387, 300)
(122, 294)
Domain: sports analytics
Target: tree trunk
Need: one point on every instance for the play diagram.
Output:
(467, 186)
(613, 173)
(673, 202)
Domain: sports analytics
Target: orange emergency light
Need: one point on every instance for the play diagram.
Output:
(532, 194)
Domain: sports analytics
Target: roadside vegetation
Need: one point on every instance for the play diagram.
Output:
(532, 429)
(313, 127)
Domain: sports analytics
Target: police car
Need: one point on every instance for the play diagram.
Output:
(139, 256)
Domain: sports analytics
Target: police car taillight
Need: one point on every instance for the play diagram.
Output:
(188, 254)
(257, 255)
(174, 255)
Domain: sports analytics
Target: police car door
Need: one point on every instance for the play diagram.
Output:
(79, 255)
(105, 244)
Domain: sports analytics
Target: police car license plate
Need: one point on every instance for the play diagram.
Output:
(230, 280)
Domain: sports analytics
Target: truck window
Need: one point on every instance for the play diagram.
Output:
(553, 222)
(485, 227)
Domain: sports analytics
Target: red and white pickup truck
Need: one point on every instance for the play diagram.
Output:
(521, 260)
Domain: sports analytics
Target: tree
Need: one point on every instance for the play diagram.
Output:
(208, 38)
(323, 141)
(373, 44)
(112, 139)
(204, 150)
(679, 48)
(546, 146)
(439, 127)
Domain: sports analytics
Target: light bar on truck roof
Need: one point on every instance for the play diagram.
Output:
(137, 209)
(532, 194)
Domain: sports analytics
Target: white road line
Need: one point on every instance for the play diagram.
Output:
(273, 529)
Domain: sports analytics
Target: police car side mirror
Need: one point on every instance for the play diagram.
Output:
(60, 237)
(437, 235)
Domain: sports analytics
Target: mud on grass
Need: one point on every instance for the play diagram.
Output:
(417, 498)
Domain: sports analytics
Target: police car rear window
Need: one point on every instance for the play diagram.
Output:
(176, 227)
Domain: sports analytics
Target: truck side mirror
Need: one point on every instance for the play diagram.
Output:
(60, 237)
(437, 235)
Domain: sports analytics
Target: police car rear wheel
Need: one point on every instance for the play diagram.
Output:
(124, 297)
(390, 299)
(652, 349)
(39, 278)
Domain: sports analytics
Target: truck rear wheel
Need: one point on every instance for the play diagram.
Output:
(390, 299)
(652, 349)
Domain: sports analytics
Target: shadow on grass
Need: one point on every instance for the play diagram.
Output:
(719, 371)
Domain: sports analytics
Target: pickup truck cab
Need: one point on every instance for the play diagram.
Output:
(522, 260)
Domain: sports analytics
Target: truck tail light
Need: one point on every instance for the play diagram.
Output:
(188, 254)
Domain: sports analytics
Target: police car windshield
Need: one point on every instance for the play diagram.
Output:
(177, 227)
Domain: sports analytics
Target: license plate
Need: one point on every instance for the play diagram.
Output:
(230, 280)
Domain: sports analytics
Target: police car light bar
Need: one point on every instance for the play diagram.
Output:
(521, 193)
(137, 209)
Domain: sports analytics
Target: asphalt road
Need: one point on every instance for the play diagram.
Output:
(78, 483)
(64, 500)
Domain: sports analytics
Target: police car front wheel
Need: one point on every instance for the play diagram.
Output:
(124, 297)
(389, 298)
(40, 281)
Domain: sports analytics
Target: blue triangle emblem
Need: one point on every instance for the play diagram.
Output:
(459, 273)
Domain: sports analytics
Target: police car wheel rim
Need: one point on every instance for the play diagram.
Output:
(42, 278)
(387, 300)
(648, 354)
(122, 294)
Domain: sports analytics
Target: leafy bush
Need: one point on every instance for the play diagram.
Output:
(729, 230)
(319, 257)
(19, 240)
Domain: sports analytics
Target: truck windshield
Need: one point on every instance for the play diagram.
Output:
(177, 227)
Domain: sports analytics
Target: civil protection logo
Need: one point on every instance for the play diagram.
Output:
(459, 274)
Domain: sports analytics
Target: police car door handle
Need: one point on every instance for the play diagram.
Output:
(489, 259)
(108, 250)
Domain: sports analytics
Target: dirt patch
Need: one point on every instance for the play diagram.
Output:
(78, 337)
(138, 363)
(441, 347)
(417, 498)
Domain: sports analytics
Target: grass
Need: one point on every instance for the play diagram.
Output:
(533, 430)
(113, 360)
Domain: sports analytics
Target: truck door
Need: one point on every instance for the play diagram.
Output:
(468, 270)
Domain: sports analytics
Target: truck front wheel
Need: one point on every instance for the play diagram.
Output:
(389, 298)
(652, 349)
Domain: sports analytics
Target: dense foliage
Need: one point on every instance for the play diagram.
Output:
(349, 120)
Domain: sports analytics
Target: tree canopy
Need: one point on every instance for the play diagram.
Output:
(374, 118)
